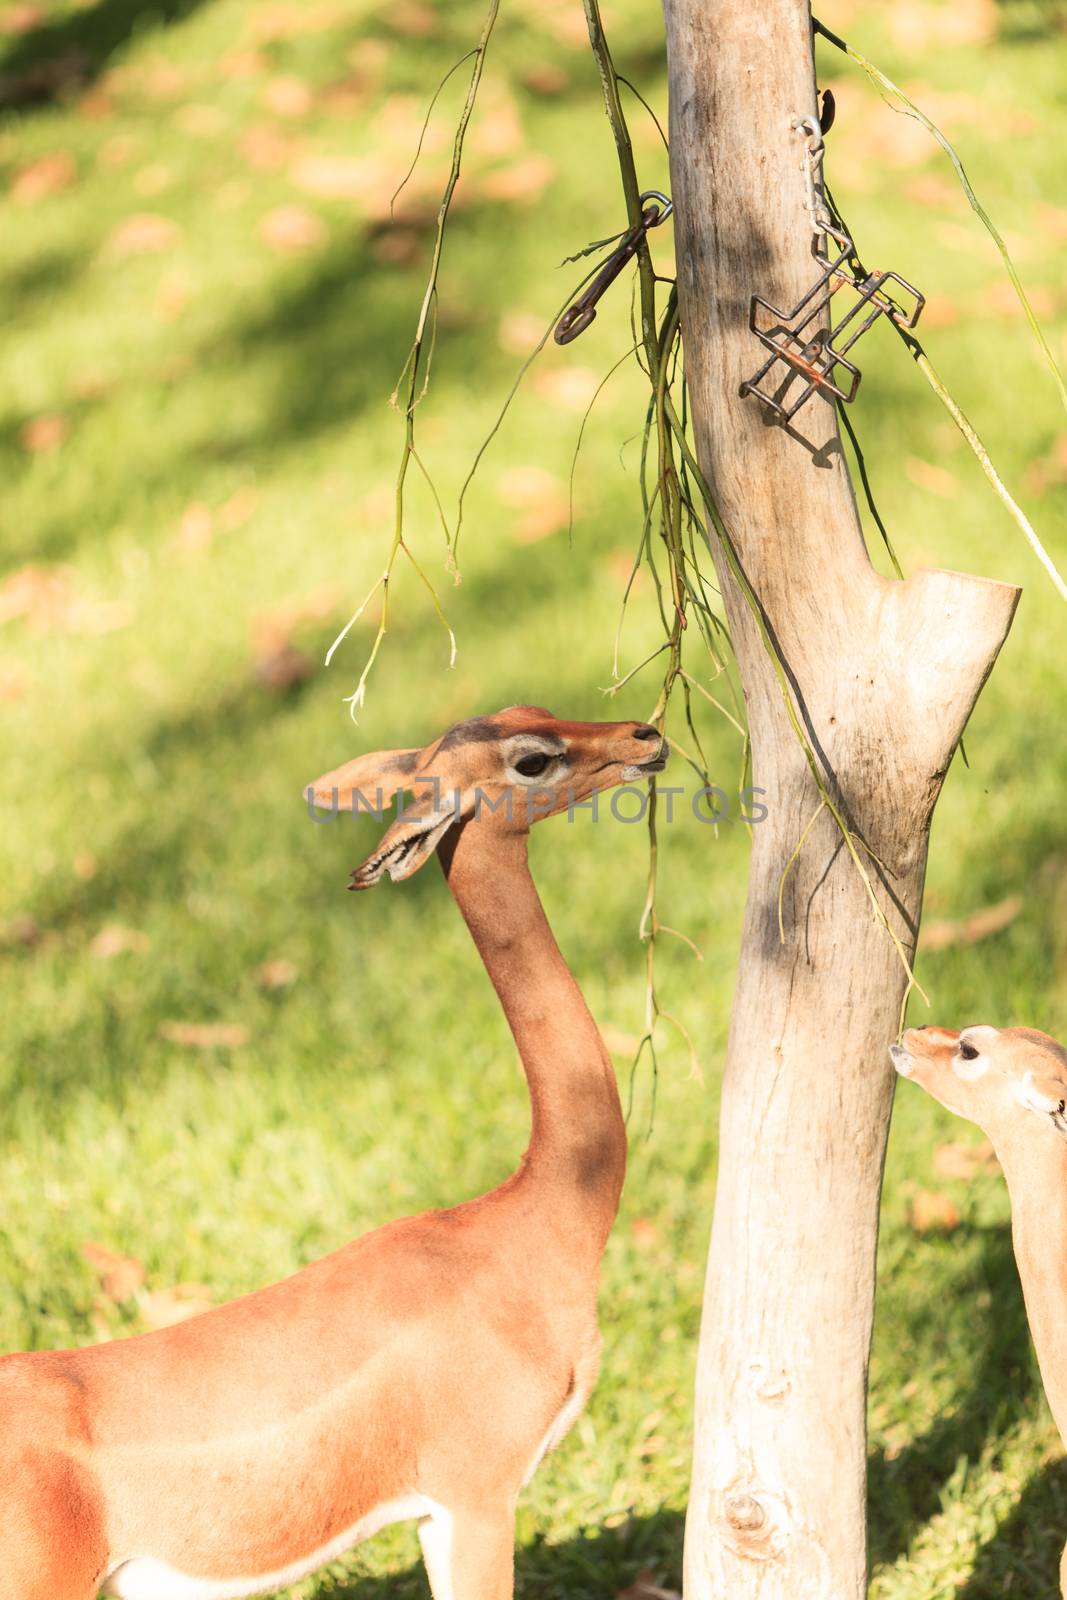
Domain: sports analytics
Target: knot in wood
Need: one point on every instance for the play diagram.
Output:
(744, 1513)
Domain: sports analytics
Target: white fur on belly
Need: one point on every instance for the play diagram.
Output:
(145, 1578)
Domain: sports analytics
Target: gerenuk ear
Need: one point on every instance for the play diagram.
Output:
(1046, 1094)
(413, 838)
(371, 780)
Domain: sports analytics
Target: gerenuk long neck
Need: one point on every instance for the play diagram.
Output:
(1035, 1166)
(577, 1148)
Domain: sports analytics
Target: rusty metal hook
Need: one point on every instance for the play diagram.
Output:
(655, 208)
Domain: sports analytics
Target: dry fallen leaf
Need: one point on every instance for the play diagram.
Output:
(115, 940)
(22, 931)
(291, 228)
(21, 17)
(931, 1211)
(287, 96)
(266, 148)
(13, 683)
(645, 1587)
(619, 1042)
(397, 248)
(526, 485)
(571, 388)
(162, 1308)
(46, 599)
(277, 973)
(337, 177)
(206, 1035)
(120, 1277)
(196, 527)
(283, 668)
(145, 233)
(965, 1160)
(412, 18)
(935, 480)
(43, 433)
(520, 332)
(524, 182)
(85, 866)
(545, 78)
(201, 121)
(973, 929)
(48, 175)
(644, 1233)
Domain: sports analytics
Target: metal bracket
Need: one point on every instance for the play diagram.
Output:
(805, 342)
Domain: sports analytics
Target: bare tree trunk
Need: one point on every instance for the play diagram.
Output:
(884, 676)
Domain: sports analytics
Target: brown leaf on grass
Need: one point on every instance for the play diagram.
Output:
(400, 247)
(941, 935)
(116, 152)
(266, 148)
(338, 177)
(196, 527)
(120, 1277)
(284, 668)
(542, 521)
(206, 1035)
(43, 433)
(940, 311)
(571, 388)
(235, 511)
(201, 121)
(85, 866)
(277, 973)
(520, 332)
(917, 28)
(524, 182)
(1052, 221)
(645, 1587)
(545, 78)
(287, 96)
(271, 23)
(526, 485)
(1048, 470)
(22, 17)
(115, 940)
(645, 1234)
(145, 233)
(935, 480)
(48, 175)
(153, 179)
(13, 683)
(498, 131)
(46, 599)
(931, 1211)
(935, 191)
(23, 931)
(243, 63)
(619, 1042)
(162, 1308)
(291, 229)
(412, 19)
(999, 299)
(965, 1161)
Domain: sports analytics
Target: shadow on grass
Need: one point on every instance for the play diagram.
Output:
(70, 51)
(905, 1491)
(591, 1566)
(1021, 1561)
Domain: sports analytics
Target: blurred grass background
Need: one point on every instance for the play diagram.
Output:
(215, 1062)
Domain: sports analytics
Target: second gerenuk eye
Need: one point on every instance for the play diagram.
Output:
(531, 766)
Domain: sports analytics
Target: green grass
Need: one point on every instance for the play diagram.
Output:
(152, 781)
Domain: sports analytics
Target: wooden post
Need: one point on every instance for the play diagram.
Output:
(884, 677)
